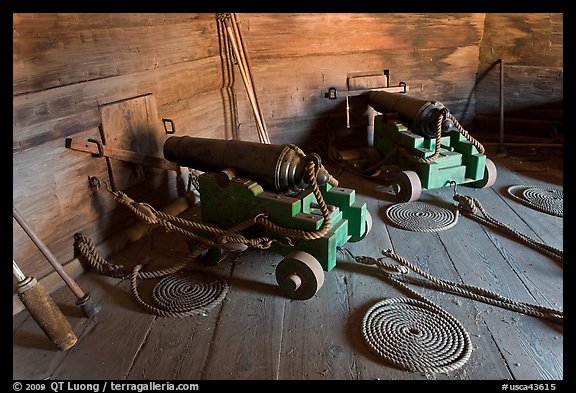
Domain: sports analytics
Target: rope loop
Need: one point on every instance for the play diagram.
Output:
(122, 198)
(469, 291)
(443, 115)
(470, 206)
(466, 203)
(218, 238)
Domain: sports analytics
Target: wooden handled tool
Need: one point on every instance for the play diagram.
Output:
(44, 311)
(85, 301)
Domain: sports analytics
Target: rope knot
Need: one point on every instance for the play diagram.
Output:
(466, 203)
(393, 269)
(365, 260)
(123, 198)
(222, 16)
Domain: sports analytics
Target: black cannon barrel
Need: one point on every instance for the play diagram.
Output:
(279, 168)
(421, 116)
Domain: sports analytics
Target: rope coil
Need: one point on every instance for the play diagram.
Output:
(421, 217)
(416, 336)
(189, 293)
(546, 199)
(218, 238)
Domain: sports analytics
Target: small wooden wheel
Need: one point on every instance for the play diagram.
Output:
(300, 275)
(367, 231)
(489, 178)
(407, 186)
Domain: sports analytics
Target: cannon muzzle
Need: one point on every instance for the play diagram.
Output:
(420, 116)
(278, 168)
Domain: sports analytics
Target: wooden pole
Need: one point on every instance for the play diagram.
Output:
(501, 149)
(51, 258)
(246, 60)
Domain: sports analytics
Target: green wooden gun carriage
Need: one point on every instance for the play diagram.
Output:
(273, 185)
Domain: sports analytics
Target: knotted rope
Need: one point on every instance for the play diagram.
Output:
(471, 206)
(219, 238)
(417, 315)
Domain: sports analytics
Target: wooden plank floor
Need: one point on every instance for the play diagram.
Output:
(256, 333)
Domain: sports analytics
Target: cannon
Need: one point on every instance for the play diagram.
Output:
(426, 142)
(244, 180)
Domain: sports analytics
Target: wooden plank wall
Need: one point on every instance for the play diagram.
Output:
(65, 66)
(531, 46)
(295, 58)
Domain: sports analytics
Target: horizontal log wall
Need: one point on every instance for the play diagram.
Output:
(531, 47)
(295, 58)
(65, 66)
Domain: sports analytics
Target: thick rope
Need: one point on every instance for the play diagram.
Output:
(88, 249)
(466, 135)
(221, 238)
(470, 206)
(398, 275)
(451, 345)
(416, 336)
(436, 154)
(151, 216)
(217, 287)
(421, 217)
(436, 148)
(546, 199)
(298, 233)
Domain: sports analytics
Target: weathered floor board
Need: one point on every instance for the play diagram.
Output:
(251, 314)
(257, 333)
(176, 348)
(313, 347)
(430, 255)
(34, 356)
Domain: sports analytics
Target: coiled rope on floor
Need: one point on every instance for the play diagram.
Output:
(546, 199)
(416, 336)
(226, 239)
(398, 275)
(421, 217)
(187, 293)
(197, 300)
